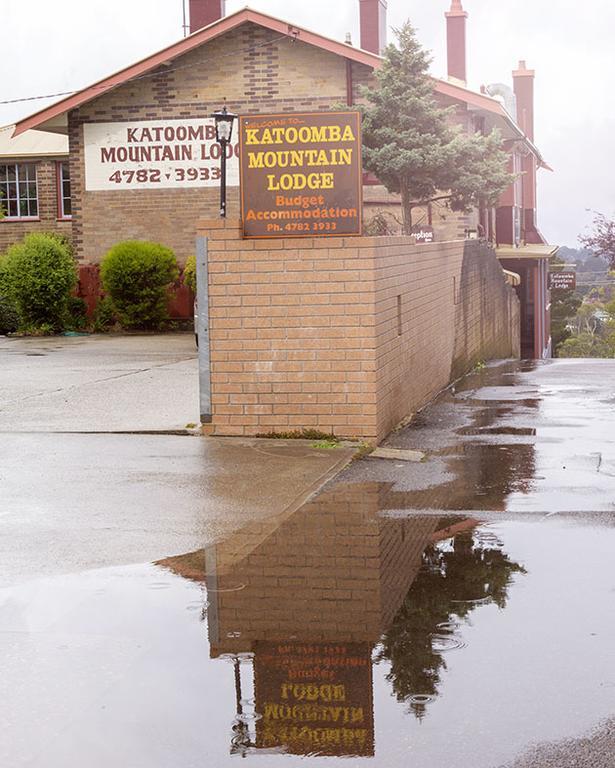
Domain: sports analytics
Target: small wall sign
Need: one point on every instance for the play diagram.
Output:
(423, 234)
(562, 281)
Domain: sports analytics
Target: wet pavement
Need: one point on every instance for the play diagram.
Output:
(457, 612)
(99, 383)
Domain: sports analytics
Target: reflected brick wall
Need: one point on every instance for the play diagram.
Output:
(333, 572)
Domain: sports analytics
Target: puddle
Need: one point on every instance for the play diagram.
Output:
(521, 431)
(374, 626)
(339, 635)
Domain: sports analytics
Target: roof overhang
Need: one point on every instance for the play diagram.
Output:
(31, 144)
(526, 251)
(512, 278)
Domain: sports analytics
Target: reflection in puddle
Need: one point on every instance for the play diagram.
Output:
(458, 576)
(484, 475)
(330, 633)
(475, 431)
(322, 590)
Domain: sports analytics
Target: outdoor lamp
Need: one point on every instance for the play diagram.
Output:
(224, 131)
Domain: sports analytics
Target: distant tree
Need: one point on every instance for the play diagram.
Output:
(588, 345)
(601, 241)
(411, 145)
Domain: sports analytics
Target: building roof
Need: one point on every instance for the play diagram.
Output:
(31, 144)
(54, 117)
(538, 251)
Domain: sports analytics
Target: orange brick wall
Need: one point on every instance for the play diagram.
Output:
(306, 332)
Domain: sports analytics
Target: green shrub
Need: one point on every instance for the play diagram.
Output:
(190, 273)
(9, 319)
(63, 239)
(103, 316)
(76, 314)
(39, 275)
(136, 275)
(37, 329)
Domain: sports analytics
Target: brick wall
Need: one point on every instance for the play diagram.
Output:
(346, 335)
(14, 231)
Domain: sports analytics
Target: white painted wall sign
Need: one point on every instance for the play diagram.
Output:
(156, 154)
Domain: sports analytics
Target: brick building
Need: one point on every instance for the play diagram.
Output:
(143, 160)
(34, 185)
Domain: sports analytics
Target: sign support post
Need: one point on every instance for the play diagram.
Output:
(202, 329)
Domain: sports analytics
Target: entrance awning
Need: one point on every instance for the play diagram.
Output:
(538, 251)
(512, 278)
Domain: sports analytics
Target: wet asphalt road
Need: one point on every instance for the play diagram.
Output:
(457, 612)
(530, 440)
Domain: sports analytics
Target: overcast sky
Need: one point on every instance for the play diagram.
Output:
(57, 45)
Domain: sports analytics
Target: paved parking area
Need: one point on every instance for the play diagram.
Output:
(98, 383)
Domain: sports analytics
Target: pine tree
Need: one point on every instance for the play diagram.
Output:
(412, 146)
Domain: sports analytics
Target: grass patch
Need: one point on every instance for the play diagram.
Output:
(363, 450)
(325, 445)
(301, 434)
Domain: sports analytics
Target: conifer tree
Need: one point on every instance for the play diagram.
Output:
(412, 145)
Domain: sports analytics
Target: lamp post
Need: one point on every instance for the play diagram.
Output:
(224, 132)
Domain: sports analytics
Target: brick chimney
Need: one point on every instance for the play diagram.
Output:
(523, 79)
(523, 83)
(204, 12)
(456, 41)
(373, 25)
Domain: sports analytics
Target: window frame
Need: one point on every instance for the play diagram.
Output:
(7, 216)
(62, 215)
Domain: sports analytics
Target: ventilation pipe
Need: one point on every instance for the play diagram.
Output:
(504, 92)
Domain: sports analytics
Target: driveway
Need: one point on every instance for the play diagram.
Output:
(101, 383)
(92, 475)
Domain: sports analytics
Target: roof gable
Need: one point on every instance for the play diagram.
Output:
(187, 44)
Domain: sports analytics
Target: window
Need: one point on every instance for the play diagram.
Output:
(64, 202)
(18, 190)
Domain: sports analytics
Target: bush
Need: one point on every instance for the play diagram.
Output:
(136, 276)
(9, 319)
(76, 314)
(190, 273)
(103, 316)
(39, 275)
